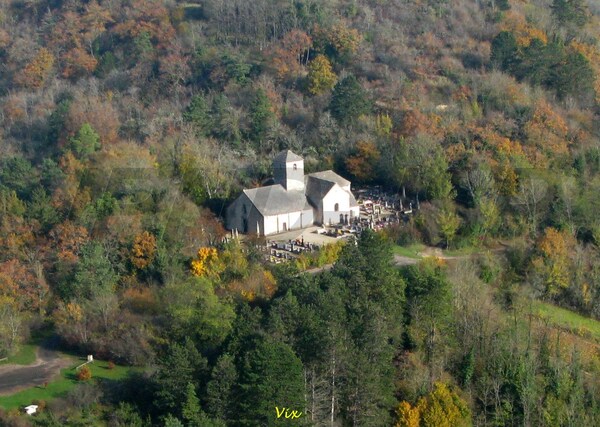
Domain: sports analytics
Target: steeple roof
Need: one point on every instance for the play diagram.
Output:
(287, 156)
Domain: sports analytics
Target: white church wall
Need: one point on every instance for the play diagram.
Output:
(288, 221)
(271, 225)
(335, 196)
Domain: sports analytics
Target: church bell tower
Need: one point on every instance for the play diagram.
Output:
(288, 170)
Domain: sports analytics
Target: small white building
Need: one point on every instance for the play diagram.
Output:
(31, 409)
(294, 201)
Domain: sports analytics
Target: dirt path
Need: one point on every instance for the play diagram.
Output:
(402, 261)
(48, 363)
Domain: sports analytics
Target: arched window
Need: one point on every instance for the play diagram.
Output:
(336, 208)
(295, 166)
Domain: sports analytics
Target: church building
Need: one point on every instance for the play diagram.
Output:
(294, 201)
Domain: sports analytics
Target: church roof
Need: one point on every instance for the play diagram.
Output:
(318, 184)
(316, 189)
(274, 199)
(287, 156)
(330, 176)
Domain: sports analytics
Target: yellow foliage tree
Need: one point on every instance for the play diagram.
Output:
(553, 265)
(344, 40)
(408, 416)
(321, 77)
(449, 222)
(207, 263)
(440, 408)
(384, 124)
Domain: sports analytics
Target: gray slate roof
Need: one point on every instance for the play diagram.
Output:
(318, 184)
(331, 176)
(316, 189)
(287, 156)
(274, 199)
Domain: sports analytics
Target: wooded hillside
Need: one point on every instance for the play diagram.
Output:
(127, 126)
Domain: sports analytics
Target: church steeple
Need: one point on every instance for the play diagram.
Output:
(288, 170)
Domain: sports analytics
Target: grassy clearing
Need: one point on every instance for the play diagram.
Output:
(62, 385)
(566, 319)
(464, 251)
(25, 356)
(410, 251)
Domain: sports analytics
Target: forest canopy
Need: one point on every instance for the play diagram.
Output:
(128, 126)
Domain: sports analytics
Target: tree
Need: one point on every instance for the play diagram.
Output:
(144, 250)
(261, 116)
(440, 408)
(94, 274)
(429, 304)
(207, 263)
(407, 415)
(17, 173)
(570, 12)
(363, 162)
(191, 411)
(531, 199)
(321, 77)
(85, 142)
(338, 41)
(220, 392)
(349, 100)
(177, 369)
(553, 265)
(291, 54)
(449, 222)
(171, 421)
(574, 77)
(271, 375)
(195, 312)
(37, 71)
(505, 51)
(125, 415)
(41, 208)
(84, 373)
(10, 325)
(198, 114)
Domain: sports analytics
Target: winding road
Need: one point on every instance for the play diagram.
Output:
(47, 365)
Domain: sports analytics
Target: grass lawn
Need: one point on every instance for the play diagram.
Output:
(410, 251)
(63, 384)
(25, 355)
(567, 319)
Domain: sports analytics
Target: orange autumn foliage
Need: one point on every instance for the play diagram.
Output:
(523, 30)
(77, 62)
(67, 239)
(144, 250)
(84, 374)
(37, 71)
(287, 58)
(547, 130)
(362, 163)
(18, 282)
